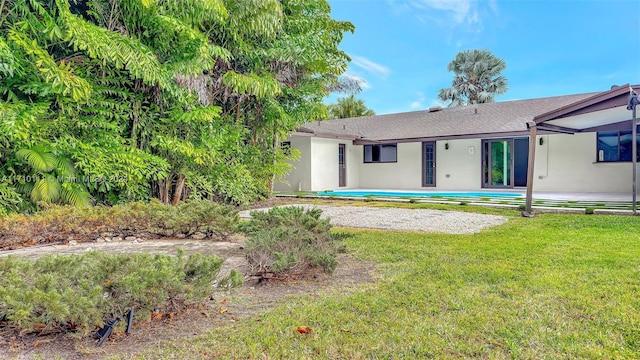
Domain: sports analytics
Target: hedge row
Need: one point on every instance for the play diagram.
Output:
(63, 223)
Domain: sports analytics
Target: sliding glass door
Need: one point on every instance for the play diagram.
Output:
(505, 162)
(497, 163)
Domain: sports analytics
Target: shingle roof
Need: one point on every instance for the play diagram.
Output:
(493, 118)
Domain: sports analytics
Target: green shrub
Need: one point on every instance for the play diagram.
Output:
(589, 211)
(290, 240)
(233, 279)
(190, 217)
(80, 292)
(58, 223)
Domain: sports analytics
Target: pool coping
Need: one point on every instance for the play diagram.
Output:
(517, 203)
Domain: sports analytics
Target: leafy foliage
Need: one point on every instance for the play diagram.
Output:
(478, 78)
(163, 99)
(77, 293)
(290, 239)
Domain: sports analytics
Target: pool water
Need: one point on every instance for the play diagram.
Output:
(417, 193)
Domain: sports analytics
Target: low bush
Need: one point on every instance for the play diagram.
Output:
(78, 293)
(61, 223)
(231, 280)
(286, 240)
(207, 217)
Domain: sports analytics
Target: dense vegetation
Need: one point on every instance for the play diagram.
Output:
(110, 101)
(77, 293)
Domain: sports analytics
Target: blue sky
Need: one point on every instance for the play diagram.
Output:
(401, 48)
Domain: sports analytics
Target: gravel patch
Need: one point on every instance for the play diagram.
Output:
(435, 221)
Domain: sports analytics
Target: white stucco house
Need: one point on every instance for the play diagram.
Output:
(582, 144)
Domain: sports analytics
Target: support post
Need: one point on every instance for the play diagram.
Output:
(634, 151)
(530, 165)
(633, 102)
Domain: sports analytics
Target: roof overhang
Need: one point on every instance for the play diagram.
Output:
(301, 131)
(595, 112)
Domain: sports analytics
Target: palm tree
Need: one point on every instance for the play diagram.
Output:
(52, 178)
(478, 78)
(349, 107)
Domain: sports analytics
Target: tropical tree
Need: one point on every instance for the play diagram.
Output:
(349, 107)
(478, 78)
(132, 99)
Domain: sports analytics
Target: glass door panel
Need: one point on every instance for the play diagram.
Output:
(497, 163)
(428, 164)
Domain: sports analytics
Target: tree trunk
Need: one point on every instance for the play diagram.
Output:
(164, 188)
(177, 193)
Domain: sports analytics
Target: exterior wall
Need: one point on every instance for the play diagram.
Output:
(406, 173)
(299, 177)
(568, 163)
(355, 154)
(324, 169)
(317, 168)
(459, 167)
(563, 163)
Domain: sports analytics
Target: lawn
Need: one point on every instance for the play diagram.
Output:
(556, 286)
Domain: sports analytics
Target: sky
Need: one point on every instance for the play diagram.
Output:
(400, 48)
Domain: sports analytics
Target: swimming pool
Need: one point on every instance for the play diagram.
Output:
(447, 194)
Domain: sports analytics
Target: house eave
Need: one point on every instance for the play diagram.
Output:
(608, 100)
(325, 135)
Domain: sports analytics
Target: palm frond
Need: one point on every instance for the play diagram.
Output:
(74, 194)
(64, 167)
(46, 189)
(38, 158)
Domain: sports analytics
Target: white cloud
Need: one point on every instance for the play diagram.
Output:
(370, 66)
(438, 102)
(364, 84)
(419, 102)
(465, 14)
(460, 10)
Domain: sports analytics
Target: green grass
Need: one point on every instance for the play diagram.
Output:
(555, 286)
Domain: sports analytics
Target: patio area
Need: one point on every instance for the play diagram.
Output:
(559, 202)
